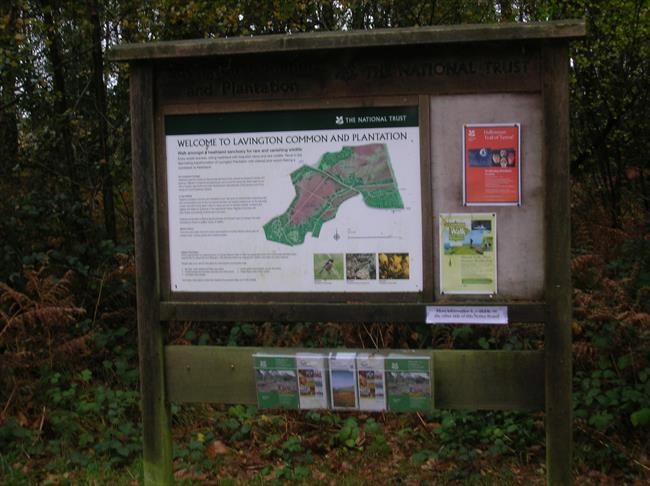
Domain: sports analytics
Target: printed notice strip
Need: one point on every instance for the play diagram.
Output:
(467, 315)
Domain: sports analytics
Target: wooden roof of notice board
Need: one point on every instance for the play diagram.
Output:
(447, 34)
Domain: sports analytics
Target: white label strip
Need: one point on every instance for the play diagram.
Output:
(467, 315)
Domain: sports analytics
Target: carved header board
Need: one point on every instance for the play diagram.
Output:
(373, 72)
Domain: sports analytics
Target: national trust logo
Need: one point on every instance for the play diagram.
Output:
(339, 119)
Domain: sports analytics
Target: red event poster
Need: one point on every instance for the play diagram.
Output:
(492, 164)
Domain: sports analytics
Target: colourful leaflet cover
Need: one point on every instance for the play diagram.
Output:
(276, 381)
(312, 386)
(343, 381)
(408, 379)
(371, 382)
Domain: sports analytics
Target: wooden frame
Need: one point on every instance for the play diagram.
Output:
(446, 60)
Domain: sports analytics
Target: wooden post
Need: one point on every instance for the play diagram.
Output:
(557, 344)
(157, 442)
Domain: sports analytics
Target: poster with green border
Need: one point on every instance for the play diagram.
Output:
(276, 381)
(408, 382)
(300, 200)
(468, 253)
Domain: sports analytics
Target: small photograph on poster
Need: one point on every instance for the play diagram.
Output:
(408, 380)
(328, 266)
(342, 381)
(492, 164)
(311, 380)
(468, 253)
(371, 382)
(393, 266)
(361, 266)
(276, 381)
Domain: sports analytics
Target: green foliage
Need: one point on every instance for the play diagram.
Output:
(348, 434)
(70, 404)
(85, 424)
(605, 395)
(377, 444)
(609, 85)
(92, 421)
(241, 334)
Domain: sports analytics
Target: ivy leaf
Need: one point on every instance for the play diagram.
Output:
(640, 417)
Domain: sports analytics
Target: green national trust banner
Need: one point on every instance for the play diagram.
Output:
(292, 120)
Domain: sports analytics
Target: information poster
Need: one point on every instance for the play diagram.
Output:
(324, 200)
(468, 253)
(276, 381)
(492, 165)
(409, 383)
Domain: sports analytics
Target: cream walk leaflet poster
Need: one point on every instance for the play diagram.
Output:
(323, 200)
(468, 253)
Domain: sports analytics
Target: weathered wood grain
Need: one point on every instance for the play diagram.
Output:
(427, 198)
(558, 265)
(157, 443)
(332, 74)
(495, 380)
(335, 312)
(561, 29)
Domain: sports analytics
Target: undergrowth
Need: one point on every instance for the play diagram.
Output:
(70, 405)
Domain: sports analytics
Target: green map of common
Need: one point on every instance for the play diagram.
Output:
(360, 170)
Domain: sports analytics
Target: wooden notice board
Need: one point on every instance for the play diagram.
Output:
(324, 177)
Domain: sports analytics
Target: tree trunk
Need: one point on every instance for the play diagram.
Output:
(61, 104)
(8, 116)
(102, 114)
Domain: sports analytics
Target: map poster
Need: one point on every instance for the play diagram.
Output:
(492, 165)
(408, 379)
(468, 253)
(320, 200)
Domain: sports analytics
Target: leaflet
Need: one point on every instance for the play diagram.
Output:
(371, 381)
(311, 380)
(343, 382)
(408, 379)
(276, 381)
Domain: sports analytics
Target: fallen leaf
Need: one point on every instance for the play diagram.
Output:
(215, 449)
(22, 419)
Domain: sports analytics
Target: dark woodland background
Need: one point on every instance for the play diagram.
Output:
(68, 360)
